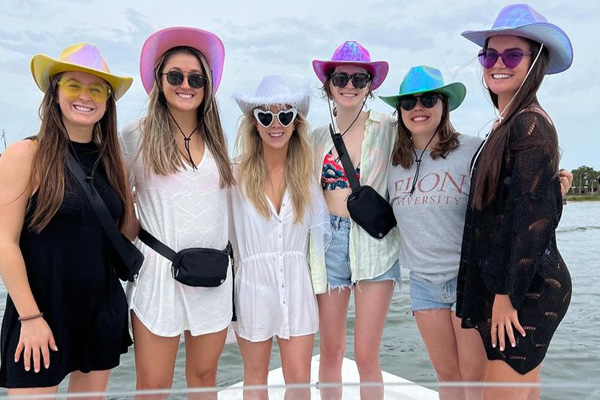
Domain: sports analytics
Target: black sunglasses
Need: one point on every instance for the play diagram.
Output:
(341, 79)
(428, 100)
(175, 78)
(266, 118)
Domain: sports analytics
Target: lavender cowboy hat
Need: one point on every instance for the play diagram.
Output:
(160, 42)
(352, 53)
(82, 57)
(275, 90)
(523, 21)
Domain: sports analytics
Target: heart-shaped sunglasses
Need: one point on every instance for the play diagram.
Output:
(266, 117)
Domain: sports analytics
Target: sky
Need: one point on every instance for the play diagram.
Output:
(269, 37)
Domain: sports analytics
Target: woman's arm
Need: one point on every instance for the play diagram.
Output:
(15, 169)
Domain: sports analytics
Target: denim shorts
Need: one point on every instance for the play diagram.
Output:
(337, 258)
(425, 295)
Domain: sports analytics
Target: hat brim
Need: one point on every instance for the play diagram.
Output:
(160, 42)
(455, 92)
(300, 100)
(555, 39)
(43, 68)
(378, 69)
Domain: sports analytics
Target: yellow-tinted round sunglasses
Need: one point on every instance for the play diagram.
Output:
(72, 89)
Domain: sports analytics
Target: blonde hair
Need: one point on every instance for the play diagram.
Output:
(158, 147)
(253, 174)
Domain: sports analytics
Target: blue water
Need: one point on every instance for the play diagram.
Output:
(571, 369)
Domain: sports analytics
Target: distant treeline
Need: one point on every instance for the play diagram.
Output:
(586, 181)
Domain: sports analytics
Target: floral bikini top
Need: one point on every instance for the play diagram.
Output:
(333, 176)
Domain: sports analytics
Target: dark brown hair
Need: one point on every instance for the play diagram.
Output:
(494, 151)
(48, 170)
(403, 149)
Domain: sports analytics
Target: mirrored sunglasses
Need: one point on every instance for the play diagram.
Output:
(510, 57)
(266, 117)
(175, 78)
(72, 89)
(341, 79)
(427, 100)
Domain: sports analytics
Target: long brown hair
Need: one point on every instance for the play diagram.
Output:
(252, 172)
(403, 149)
(158, 147)
(48, 170)
(494, 151)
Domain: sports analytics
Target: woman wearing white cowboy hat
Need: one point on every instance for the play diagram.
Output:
(513, 286)
(66, 311)
(428, 183)
(354, 258)
(178, 163)
(274, 207)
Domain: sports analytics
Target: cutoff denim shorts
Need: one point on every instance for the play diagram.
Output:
(425, 295)
(337, 258)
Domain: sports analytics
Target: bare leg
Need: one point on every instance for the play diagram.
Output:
(202, 361)
(499, 371)
(296, 354)
(372, 303)
(333, 311)
(94, 381)
(32, 392)
(471, 357)
(256, 357)
(154, 359)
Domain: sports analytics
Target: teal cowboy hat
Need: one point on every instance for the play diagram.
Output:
(422, 79)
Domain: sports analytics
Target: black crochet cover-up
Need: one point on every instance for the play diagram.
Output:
(509, 247)
(69, 270)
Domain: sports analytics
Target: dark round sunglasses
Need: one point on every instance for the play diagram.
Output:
(427, 100)
(175, 78)
(510, 57)
(341, 79)
(266, 117)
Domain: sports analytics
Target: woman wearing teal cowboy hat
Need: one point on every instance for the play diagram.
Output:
(66, 312)
(428, 183)
(513, 285)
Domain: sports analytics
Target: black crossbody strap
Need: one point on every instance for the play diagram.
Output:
(99, 208)
(157, 245)
(340, 147)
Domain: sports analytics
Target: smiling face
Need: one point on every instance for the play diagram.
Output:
(182, 98)
(275, 137)
(501, 80)
(349, 96)
(79, 114)
(422, 122)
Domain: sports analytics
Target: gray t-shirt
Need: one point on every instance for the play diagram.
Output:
(431, 220)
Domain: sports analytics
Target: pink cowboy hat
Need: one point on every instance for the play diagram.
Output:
(159, 42)
(352, 53)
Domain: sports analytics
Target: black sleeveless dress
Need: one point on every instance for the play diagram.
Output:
(70, 273)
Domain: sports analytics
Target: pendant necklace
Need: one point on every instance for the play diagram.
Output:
(186, 139)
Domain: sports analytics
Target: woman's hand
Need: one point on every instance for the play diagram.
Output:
(504, 318)
(566, 181)
(35, 342)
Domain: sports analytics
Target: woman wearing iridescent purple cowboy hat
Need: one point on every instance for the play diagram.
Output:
(354, 259)
(513, 286)
(177, 160)
(66, 312)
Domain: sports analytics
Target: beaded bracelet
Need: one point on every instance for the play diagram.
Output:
(30, 317)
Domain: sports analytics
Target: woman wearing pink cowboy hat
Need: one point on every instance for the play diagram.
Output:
(177, 159)
(66, 312)
(354, 259)
(513, 286)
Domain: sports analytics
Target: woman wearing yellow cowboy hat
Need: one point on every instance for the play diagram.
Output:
(513, 285)
(66, 311)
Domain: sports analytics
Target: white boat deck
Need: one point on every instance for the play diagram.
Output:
(396, 387)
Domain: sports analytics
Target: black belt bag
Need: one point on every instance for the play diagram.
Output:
(196, 266)
(366, 207)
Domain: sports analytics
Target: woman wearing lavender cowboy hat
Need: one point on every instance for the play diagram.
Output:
(428, 183)
(277, 211)
(66, 311)
(513, 286)
(177, 160)
(354, 259)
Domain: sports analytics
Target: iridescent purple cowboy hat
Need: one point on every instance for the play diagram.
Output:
(160, 42)
(352, 53)
(523, 21)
